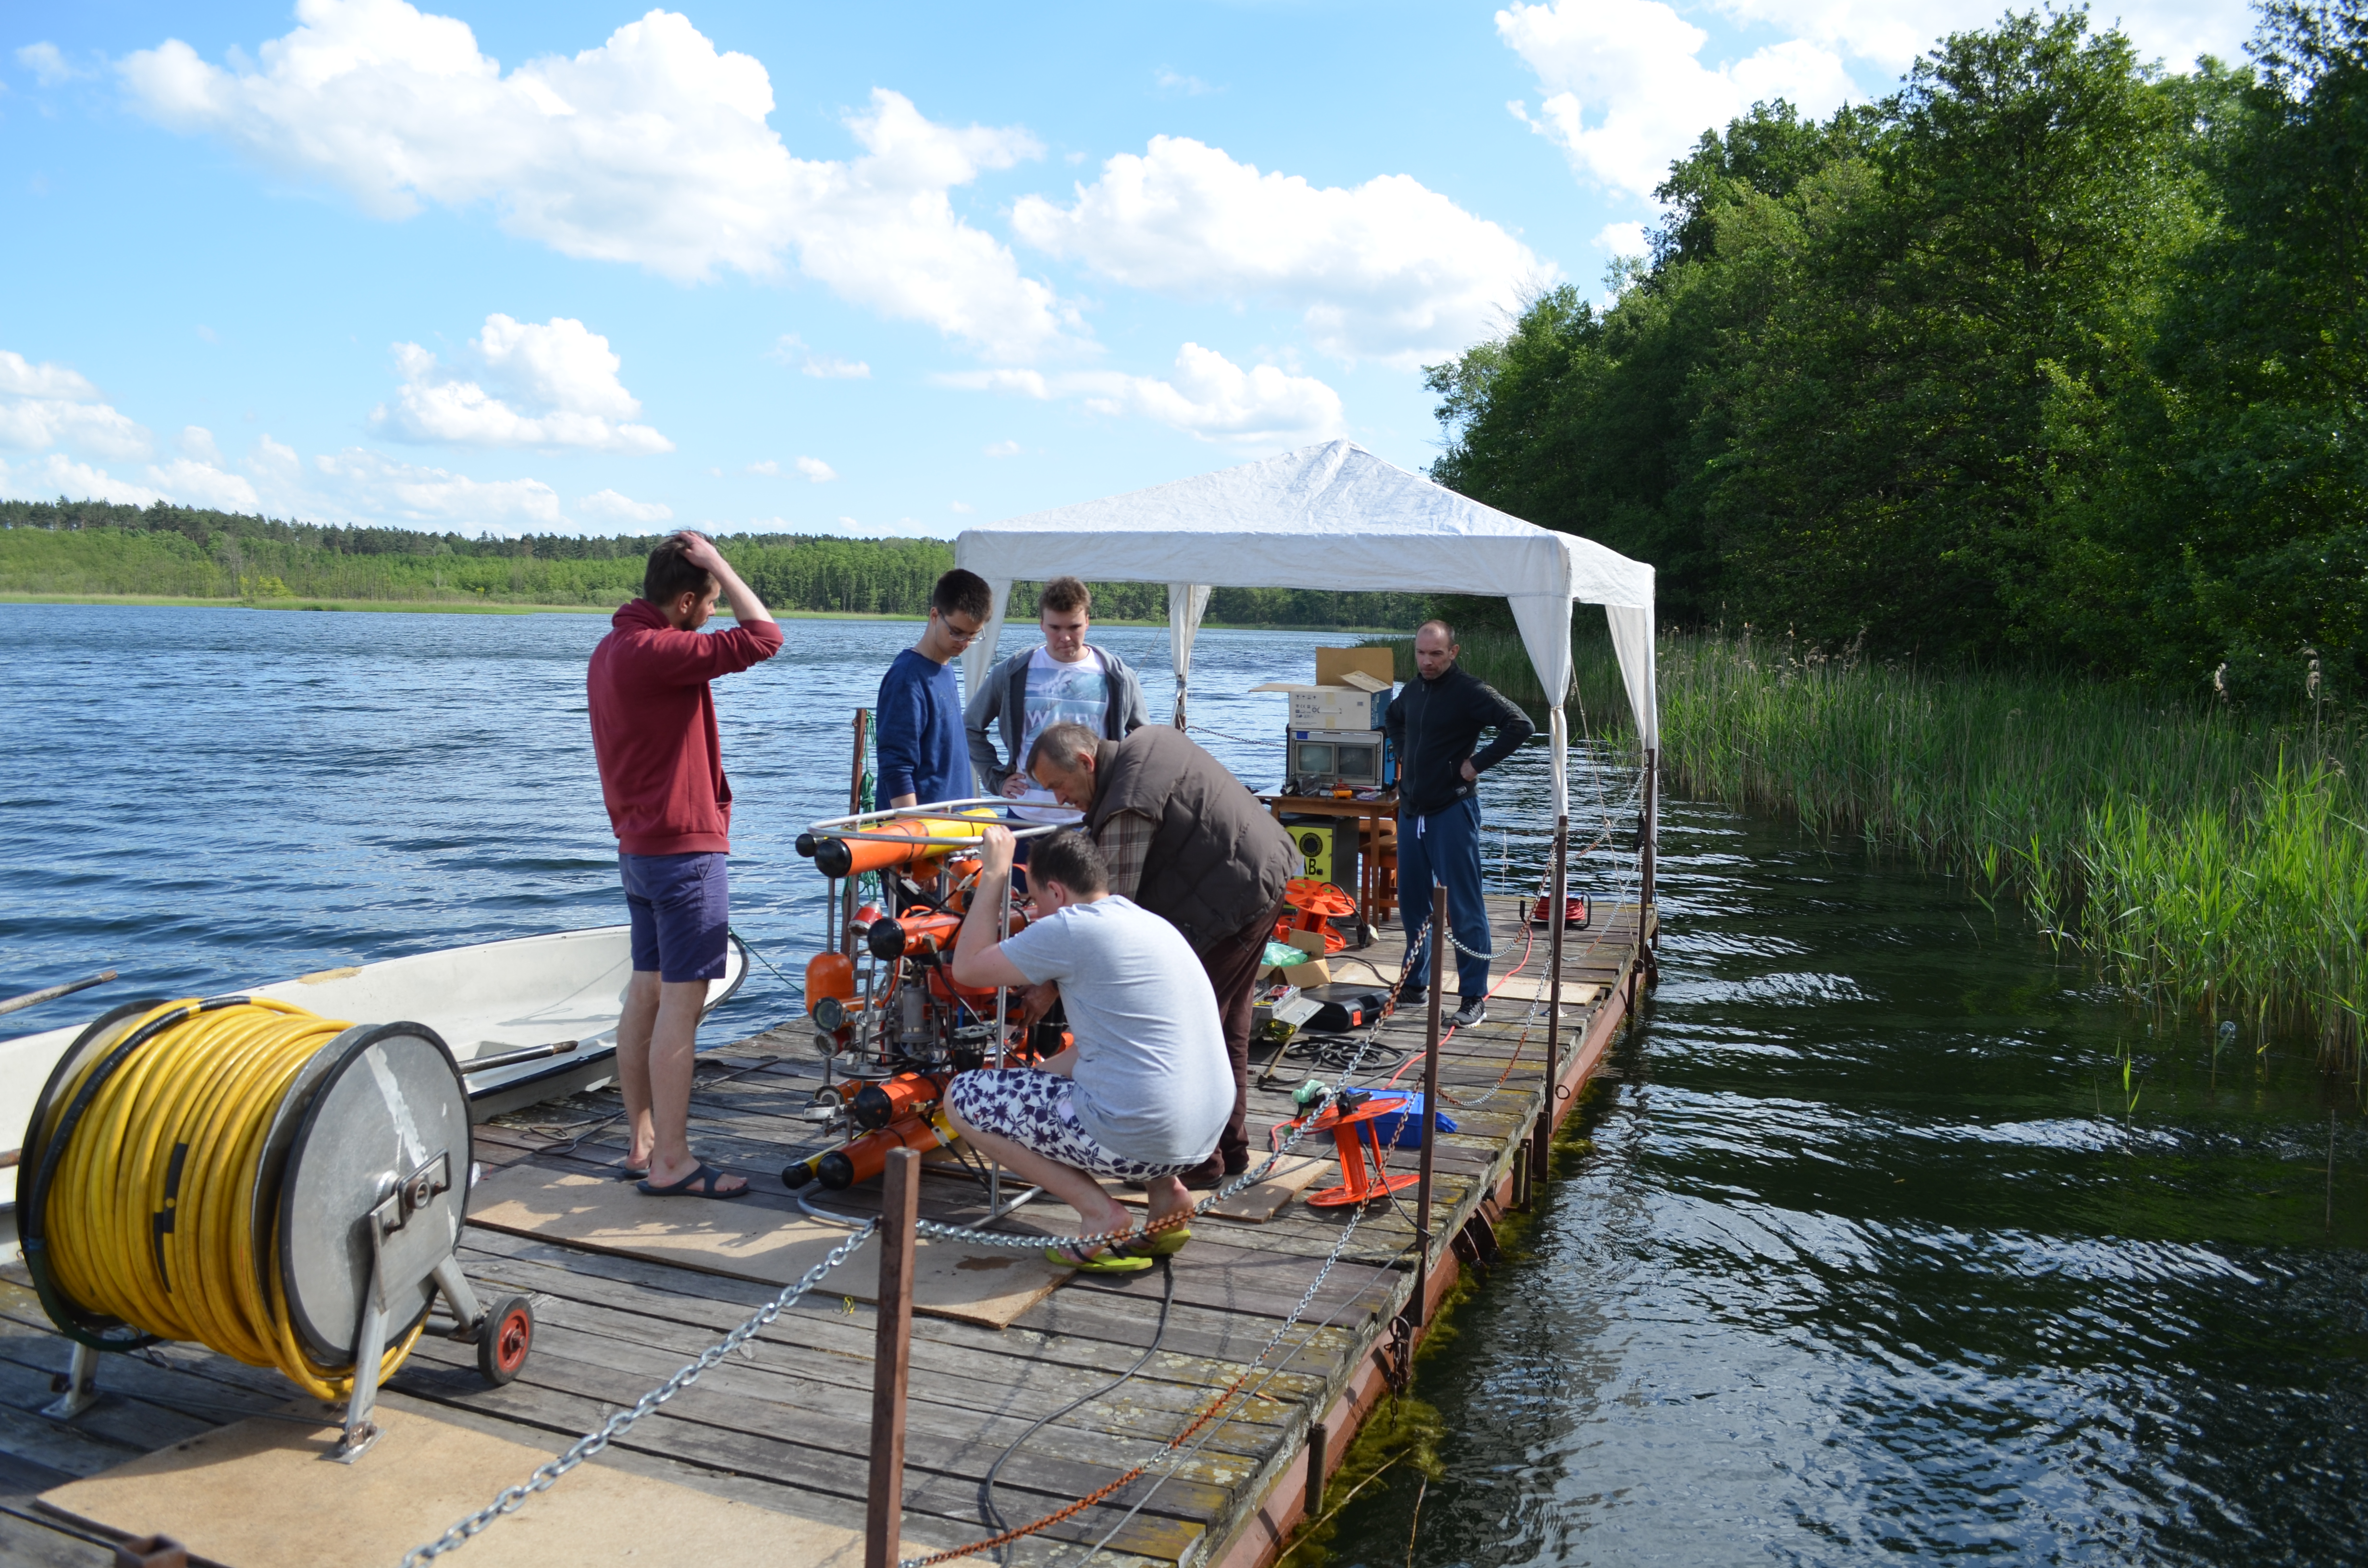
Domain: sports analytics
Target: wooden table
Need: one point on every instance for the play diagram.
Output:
(1376, 828)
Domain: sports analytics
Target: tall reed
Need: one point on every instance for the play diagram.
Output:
(2207, 861)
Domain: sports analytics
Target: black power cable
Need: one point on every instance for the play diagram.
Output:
(991, 1516)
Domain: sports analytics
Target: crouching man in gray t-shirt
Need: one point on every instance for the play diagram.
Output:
(1146, 1088)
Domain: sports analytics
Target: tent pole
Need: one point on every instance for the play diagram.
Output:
(1542, 1138)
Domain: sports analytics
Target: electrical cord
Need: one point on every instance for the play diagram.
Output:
(992, 1517)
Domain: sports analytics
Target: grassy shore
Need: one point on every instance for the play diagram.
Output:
(2212, 863)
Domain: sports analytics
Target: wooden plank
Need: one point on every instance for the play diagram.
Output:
(30, 1543)
(748, 1238)
(256, 1493)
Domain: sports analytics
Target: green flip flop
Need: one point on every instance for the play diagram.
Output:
(1168, 1243)
(1109, 1260)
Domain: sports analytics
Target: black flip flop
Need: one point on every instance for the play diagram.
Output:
(707, 1175)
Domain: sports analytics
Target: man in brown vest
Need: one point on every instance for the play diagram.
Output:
(1187, 841)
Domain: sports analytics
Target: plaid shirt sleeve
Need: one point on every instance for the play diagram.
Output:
(1125, 843)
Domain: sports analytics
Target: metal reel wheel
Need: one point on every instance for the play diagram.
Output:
(388, 1102)
(504, 1340)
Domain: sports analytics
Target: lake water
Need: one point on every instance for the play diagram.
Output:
(1870, 1257)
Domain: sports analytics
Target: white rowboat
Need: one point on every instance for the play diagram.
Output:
(483, 1000)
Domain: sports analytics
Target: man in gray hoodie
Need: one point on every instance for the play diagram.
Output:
(1067, 680)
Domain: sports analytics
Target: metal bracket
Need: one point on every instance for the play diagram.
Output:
(78, 1389)
(397, 1254)
(1396, 1357)
(468, 1317)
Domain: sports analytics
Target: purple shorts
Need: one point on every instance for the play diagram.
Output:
(680, 912)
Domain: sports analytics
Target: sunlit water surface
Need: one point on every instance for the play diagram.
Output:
(1871, 1256)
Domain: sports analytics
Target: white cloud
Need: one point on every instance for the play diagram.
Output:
(20, 376)
(1628, 92)
(1002, 450)
(790, 350)
(1621, 239)
(1177, 84)
(558, 385)
(377, 487)
(1389, 269)
(58, 475)
(49, 67)
(964, 507)
(33, 424)
(816, 471)
(1891, 33)
(183, 481)
(608, 506)
(1210, 397)
(652, 148)
(196, 484)
(197, 442)
(768, 468)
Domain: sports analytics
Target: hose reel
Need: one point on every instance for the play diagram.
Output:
(285, 1189)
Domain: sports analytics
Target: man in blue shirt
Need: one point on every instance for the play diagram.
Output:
(923, 754)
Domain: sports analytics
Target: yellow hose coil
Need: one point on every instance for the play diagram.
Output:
(213, 1083)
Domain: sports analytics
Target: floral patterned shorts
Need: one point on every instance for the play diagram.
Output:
(1031, 1108)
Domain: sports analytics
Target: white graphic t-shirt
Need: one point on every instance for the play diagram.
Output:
(1061, 694)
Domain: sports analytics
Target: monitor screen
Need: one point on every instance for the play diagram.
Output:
(1359, 764)
(1314, 757)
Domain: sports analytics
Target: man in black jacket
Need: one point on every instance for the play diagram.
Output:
(1186, 840)
(1434, 724)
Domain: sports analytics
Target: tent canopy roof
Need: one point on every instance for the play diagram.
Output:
(1331, 516)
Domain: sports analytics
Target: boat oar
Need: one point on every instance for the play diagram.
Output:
(475, 1065)
(51, 993)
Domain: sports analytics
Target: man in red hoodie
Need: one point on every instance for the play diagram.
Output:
(662, 774)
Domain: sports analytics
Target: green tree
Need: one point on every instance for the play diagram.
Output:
(2240, 534)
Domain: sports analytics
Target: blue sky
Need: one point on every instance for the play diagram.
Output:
(822, 269)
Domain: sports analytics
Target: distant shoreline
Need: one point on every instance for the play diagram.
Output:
(481, 607)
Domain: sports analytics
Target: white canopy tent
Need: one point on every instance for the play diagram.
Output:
(1332, 516)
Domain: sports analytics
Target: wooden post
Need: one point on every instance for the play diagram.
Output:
(1651, 832)
(900, 1206)
(1541, 1135)
(1430, 1119)
(1318, 1435)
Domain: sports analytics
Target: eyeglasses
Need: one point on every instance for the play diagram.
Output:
(957, 634)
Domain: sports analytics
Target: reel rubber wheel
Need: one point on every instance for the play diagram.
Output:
(505, 1340)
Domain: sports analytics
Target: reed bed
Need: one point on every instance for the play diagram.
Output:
(2212, 863)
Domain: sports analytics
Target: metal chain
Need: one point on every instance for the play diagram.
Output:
(591, 1443)
(1205, 1421)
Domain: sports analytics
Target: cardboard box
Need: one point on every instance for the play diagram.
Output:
(1339, 708)
(1314, 971)
(1335, 665)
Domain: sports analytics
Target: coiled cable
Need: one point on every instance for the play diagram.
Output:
(150, 1157)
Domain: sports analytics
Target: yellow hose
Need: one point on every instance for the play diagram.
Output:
(208, 1086)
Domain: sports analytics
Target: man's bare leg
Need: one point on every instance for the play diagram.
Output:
(1169, 1195)
(1098, 1212)
(672, 1040)
(633, 1030)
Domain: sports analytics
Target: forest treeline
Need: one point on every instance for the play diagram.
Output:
(2049, 359)
(92, 546)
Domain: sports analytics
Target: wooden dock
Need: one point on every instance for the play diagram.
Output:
(786, 1427)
